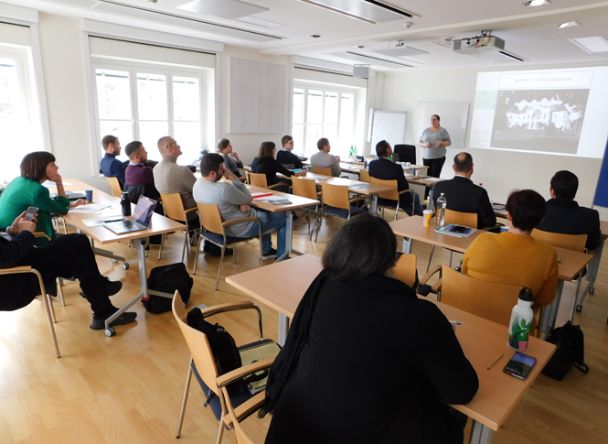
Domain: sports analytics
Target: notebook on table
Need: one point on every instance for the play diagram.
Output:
(142, 216)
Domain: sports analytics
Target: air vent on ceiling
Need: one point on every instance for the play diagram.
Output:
(370, 59)
(401, 51)
(370, 11)
(169, 18)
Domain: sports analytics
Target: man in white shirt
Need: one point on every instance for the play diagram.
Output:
(233, 199)
(323, 159)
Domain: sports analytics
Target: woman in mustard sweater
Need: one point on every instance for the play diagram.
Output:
(27, 190)
(515, 257)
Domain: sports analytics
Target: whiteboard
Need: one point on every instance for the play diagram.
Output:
(387, 125)
(454, 117)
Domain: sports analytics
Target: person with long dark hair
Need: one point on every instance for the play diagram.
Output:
(266, 164)
(365, 360)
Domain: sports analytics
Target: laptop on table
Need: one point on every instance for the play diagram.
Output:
(142, 216)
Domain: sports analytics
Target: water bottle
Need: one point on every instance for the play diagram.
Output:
(125, 204)
(521, 321)
(431, 205)
(442, 204)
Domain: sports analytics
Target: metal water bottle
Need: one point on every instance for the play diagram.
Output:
(521, 320)
(125, 204)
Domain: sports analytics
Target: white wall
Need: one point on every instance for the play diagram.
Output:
(500, 172)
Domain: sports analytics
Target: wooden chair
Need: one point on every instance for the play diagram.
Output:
(203, 362)
(458, 218)
(323, 171)
(46, 299)
(486, 299)
(336, 202)
(213, 229)
(236, 415)
(115, 188)
(574, 242)
(390, 199)
(259, 180)
(364, 176)
(405, 270)
(307, 188)
(173, 206)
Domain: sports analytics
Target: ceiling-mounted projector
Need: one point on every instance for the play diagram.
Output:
(481, 42)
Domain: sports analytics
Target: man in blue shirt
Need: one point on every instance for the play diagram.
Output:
(110, 166)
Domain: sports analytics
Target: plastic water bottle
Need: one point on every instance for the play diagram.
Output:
(125, 204)
(521, 320)
(442, 204)
(431, 205)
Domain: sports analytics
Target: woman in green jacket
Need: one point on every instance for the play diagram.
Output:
(27, 190)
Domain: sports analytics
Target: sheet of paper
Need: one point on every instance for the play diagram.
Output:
(90, 208)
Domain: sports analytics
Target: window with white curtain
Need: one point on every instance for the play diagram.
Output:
(20, 123)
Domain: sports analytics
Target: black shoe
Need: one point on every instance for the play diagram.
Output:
(271, 254)
(127, 317)
(113, 287)
(217, 253)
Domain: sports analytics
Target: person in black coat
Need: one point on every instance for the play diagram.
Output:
(285, 157)
(384, 168)
(463, 195)
(69, 256)
(266, 164)
(564, 215)
(365, 360)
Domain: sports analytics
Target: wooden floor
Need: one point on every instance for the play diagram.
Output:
(127, 389)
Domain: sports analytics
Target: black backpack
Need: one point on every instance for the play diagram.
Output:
(167, 279)
(570, 351)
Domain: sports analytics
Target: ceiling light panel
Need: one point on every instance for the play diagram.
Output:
(229, 9)
(593, 44)
(401, 51)
(370, 11)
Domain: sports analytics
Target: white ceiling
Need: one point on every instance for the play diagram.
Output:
(286, 27)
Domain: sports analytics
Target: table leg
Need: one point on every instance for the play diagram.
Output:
(283, 328)
(406, 246)
(374, 208)
(547, 321)
(288, 236)
(481, 434)
(594, 266)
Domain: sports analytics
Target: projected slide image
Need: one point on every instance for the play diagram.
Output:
(551, 119)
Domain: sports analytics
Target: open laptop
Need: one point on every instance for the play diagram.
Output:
(142, 216)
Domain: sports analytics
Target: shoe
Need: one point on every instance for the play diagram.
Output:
(113, 287)
(218, 252)
(126, 318)
(271, 254)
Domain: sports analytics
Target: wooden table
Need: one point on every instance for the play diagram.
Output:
(282, 285)
(571, 263)
(159, 225)
(426, 181)
(296, 202)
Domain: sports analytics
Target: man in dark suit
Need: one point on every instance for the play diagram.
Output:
(463, 195)
(384, 168)
(285, 156)
(564, 215)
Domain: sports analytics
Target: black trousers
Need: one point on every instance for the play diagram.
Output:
(435, 166)
(67, 256)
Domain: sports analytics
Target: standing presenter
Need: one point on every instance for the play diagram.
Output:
(434, 140)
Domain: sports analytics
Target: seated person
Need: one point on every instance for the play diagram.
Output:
(27, 190)
(231, 158)
(515, 257)
(285, 156)
(266, 164)
(384, 168)
(463, 195)
(408, 359)
(233, 200)
(138, 175)
(565, 216)
(323, 159)
(68, 256)
(110, 166)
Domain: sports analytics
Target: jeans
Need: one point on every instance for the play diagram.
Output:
(270, 222)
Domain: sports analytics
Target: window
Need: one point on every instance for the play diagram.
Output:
(323, 112)
(143, 102)
(19, 113)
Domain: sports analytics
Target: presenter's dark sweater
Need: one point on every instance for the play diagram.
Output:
(379, 365)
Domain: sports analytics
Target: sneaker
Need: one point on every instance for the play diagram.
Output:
(127, 317)
(271, 254)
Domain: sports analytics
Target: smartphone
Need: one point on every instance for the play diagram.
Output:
(30, 213)
(520, 365)
(459, 229)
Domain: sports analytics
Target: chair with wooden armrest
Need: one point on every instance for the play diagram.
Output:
(173, 206)
(242, 412)
(307, 188)
(323, 171)
(213, 229)
(364, 176)
(390, 199)
(115, 188)
(202, 364)
(46, 299)
(259, 180)
(405, 270)
(458, 218)
(574, 242)
(336, 202)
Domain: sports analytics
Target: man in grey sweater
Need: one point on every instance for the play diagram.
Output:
(324, 160)
(233, 199)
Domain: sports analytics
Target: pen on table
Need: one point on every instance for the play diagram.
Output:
(111, 220)
(488, 367)
(455, 322)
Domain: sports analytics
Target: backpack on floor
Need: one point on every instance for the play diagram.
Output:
(167, 278)
(570, 351)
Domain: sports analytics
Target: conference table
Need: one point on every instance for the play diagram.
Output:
(295, 202)
(82, 220)
(570, 263)
(281, 285)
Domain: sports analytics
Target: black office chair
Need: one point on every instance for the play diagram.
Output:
(405, 153)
